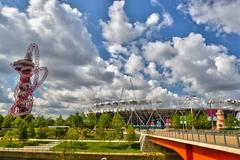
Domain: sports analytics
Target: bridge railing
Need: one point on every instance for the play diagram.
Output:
(224, 138)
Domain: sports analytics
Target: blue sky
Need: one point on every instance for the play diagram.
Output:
(169, 48)
(94, 10)
(183, 25)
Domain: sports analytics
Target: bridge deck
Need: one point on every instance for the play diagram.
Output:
(221, 142)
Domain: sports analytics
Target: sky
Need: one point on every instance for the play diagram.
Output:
(169, 49)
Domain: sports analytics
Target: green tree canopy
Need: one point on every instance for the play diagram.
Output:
(117, 125)
(91, 120)
(75, 120)
(230, 121)
(42, 132)
(8, 136)
(131, 136)
(40, 122)
(190, 118)
(1, 119)
(100, 133)
(72, 134)
(7, 121)
(22, 131)
(31, 130)
(29, 118)
(202, 122)
(50, 121)
(175, 121)
(17, 122)
(80, 119)
(104, 121)
(59, 121)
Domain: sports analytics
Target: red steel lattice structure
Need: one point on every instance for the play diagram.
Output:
(29, 70)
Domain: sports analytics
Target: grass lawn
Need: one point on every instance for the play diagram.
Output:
(19, 144)
(113, 147)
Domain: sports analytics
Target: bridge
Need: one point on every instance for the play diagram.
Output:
(195, 145)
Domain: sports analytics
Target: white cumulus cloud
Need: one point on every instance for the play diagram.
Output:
(153, 19)
(206, 69)
(158, 51)
(118, 29)
(151, 70)
(134, 64)
(221, 15)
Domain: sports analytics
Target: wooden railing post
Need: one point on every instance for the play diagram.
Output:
(214, 138)
(238, 143)
(205, 137)
(225, 143)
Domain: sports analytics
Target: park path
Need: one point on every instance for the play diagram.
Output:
(39, 148)
(43, 147)
(47, 147)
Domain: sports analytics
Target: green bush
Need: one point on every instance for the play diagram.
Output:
(72, 134)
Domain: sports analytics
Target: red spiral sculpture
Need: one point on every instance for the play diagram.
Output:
(29, 71)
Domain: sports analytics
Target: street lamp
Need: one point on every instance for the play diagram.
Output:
(210, 105)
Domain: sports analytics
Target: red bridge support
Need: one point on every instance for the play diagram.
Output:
(192, 152)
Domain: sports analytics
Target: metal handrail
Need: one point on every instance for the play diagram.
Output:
(229, 138)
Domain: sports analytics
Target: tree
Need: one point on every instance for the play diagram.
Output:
(59, 121)
(79, 120)
(175, 121)
(230, 121)
(31, 130)
(202, 122)
(117, 125)
(75, 120)
(7, 121)
(60, 132)
(17, 122)
(100, 133)
(29, 118)
(50, 121)
(8, 136)
(91, 120)
(70, 120)
(84, 133)
(104, 121)
(1, 120)
(41, 122)
(190, 118)
(42, 133)
(72, 134)
(131, 136)
(22, 132)
(110, 135)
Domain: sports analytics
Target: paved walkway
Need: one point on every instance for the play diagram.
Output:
(39, 148)
(47, 147)
(42, 147)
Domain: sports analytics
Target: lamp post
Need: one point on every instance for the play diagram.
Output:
(210, 105)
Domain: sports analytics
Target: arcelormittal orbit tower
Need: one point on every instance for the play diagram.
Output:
(29, 71)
